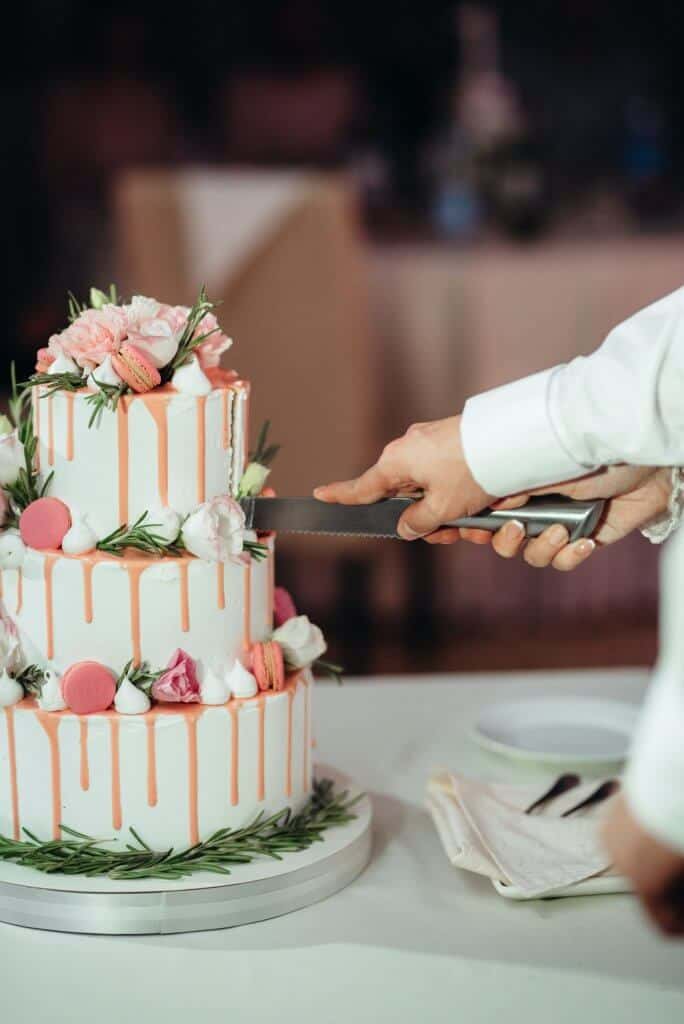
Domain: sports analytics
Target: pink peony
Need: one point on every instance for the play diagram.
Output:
(211, 350)
(179, 683)
(283, 606)
(94, 335)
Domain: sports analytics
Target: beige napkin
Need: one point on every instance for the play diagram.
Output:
(484, 829)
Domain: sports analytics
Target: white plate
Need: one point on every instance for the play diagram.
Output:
(559, 730)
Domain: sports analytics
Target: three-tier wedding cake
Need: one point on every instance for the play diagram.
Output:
(144, 682)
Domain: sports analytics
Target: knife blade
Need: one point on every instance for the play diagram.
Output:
(308, 515)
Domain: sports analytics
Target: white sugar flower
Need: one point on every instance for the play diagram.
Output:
(301, 641)
(11, 458)
(215, 531)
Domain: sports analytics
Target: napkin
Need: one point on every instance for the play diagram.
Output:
(484, 828)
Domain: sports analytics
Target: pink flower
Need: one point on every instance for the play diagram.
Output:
(283, 606)
(179, 683)
(211, 350)
(94, 335)
(44, 360)
(156, 329)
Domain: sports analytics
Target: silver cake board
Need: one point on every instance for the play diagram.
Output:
(253, 892)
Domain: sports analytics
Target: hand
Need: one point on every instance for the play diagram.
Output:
(429, 457)
(636, 495)
(656, 870)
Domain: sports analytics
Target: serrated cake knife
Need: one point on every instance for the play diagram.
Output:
(308, 515)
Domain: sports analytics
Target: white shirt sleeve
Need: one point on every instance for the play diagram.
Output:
(624, 403)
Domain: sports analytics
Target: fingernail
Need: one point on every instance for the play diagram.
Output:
(558, 534)
(585, 547)
(514, 527)
(319, 491)
(407, 533)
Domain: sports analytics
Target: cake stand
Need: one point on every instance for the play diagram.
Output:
(253, 892)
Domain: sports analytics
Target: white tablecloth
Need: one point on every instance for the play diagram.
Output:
(412, 939)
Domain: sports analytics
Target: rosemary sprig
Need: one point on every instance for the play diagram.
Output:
(107, 396)
(329, 668)
(31, 678)
(78, 854)
(141, 536)
(188, 343)
(74, 307)
(264, 453)
(52, 382)
(141, 675)
(27, 488)
(255, 550)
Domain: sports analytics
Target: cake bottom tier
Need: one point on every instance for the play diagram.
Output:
(175, 774)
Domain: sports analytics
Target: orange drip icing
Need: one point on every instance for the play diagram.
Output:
(288, 749)
(201, 449)
(12, 758)
(225, 418)
(157, 406)
(83, 739)
(51, 431)
(20, 590)
(88, 567)
(36, 423)
(116, 773)
(221, 585)
(261, 748)
(307, 741)
(234, 710)
(183, 567)
(191, 717)
(50, 723)
(48, 567)
(150, 724)
(135, 571)
(122, 440)
(69, 399)
(247, 610)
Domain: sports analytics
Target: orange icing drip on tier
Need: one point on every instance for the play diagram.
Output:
(88, 566)
(150, 725)
(122, 441)
(183, 567)
(191, 716)
(50, 722)
(247, 610)
(288, 750)
(261, 748)
(201, 449)
(225, 418)
(234, 710)
(221, 585)
(307, 741)
(51, 430)
(48, 566)
(135, 571)
(36, 423)
(12, 759)
(20, 590)
(69, 399)
(116, 772)
(83, 743)
(157, 406)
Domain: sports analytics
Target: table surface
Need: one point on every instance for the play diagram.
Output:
(412, 938)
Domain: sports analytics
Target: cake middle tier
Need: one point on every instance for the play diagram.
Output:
(109, 609)
(161, 448)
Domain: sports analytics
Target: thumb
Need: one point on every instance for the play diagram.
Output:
(421, 518)
(514, 501)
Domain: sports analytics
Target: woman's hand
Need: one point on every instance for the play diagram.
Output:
(429, 457)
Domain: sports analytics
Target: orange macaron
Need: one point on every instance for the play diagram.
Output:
(268, 666)
(135, 369)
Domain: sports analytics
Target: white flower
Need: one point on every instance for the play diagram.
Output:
(64, 364)
(214, 689)
(241, 682)
(301, 641)
(215, 530)
(11, 458)
(164, 523)
(79, 538)
(11, 656)
(51, 698)
(253, 479)
(11, 692)
(130, 699)
(190, 379)
(12, 550)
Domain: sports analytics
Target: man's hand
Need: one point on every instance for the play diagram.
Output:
(656, 870)
(429, 457)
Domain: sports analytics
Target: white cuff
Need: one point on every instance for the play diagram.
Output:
(509, 440)
(654, 783)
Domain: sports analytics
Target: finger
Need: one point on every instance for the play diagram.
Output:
(542, 550)
(372, 485)
(665, 912)
(508, 540)
(476, 536)
(572, 555)
(447, 536)
(514, 501)
(423, 517)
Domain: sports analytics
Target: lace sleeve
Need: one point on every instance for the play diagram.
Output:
(661, 528)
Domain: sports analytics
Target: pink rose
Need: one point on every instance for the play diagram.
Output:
(159, 333)
(211, 350)
(44, 360)
(179, 683)
(94, 335)
(283, 606)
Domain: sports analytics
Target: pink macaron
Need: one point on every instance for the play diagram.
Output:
(44, 523)
(88, 687)
(268, 666)
(135, 369)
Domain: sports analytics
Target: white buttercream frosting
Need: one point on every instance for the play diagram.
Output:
(165, 522)
(12, 550)
(131, 700)
(106, 374)
(64, 364)
(214, 689)
(79, 538)
(241, 682)
(51, 698)
(191, 379)
(11, 692)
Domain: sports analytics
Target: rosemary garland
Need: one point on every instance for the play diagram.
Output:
(53, 382)
(141, 536)
(141, 675)
(188, 342)
(329, 668)
(107, 396)
(78, 854)
(27, 488)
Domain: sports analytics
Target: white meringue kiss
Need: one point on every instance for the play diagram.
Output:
(64, 364)
(241, 682)
(301, 641)
(214, 689)
(105, 374)
(51, 698)
(191, 379)
(79, 538)
(131, 700)
(12, 550)
(215, 530)
(11, 692)
(164, 522)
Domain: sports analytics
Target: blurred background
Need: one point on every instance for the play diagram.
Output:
(399, 206)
